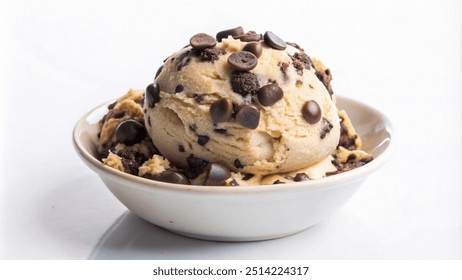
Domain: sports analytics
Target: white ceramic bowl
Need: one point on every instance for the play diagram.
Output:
(239, 213)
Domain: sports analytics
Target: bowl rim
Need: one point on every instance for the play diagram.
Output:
(325, 183)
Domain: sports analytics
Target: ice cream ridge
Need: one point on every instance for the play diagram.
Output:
(237, 109)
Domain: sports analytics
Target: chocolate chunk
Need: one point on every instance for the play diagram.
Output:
(179, 88)
(247, 176)
(243, 61)
(130, 132)
(283, 66)
(221, 110)
(196, 163)
(152, 94)
(183, 59)
(131, 160)
(233, 32)
(303, 59)
(202, 140)
(348, 142)
(181, 148)
(238, 164)
(301, 177)
(216, 175)
(221, 131)
(254, 47)
(158, 71)
(311, 112)
(326, 128)
(248, 116)
(274, 41)
(269, 94)
(202, 41)
(212, 54)
(244, 83)
(196, 166)
(173, 177)
(193, 126)
(250, 36)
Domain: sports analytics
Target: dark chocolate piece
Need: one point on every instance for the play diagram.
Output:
(243, 61)
(255, 48)
(202, 41)
(269, 94)
(221, 110)
(173, 177)
(152, 94)
(233, 32)
(311, 112)
(274, 41)
(244, 83)
(130, 132)
(248, 116)
(202, 140)
(216, 175)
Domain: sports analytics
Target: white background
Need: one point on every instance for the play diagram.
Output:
(60, 59)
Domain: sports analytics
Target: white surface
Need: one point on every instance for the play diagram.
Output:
(60, 60)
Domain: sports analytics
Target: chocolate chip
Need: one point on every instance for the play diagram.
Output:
(248, 116)
(250, 36)
(233, 32)
(311, 112)
(301, 177)
(131, 160)
(244, 83)
(202, 140)
(221, 131)
(243, 61)
(216, 175)
(158, 71)
(221, 110)
(212, 54)
(202, 41)
(274, 41)
(326, 128)
(278, 182)
(196, 162)
(183, 59)
(238, 164)
(254, 47)
(174, 177)
(130, 132)
(196, 166)
(181, 148)
(152, 94)
(179, 88)
(199, 98)
(149, 120)
(269, 94)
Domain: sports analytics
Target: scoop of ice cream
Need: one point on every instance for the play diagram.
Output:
(251, 103)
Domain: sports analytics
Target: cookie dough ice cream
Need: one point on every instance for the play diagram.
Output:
(235, 109)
